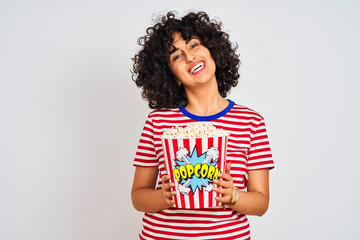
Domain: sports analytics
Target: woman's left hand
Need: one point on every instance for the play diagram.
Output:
(227, 186)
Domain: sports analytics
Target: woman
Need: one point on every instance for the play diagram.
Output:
(186, 68)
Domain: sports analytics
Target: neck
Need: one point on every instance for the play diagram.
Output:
(205, 102)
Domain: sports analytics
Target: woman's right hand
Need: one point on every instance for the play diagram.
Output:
(144, 194)
(166, 190)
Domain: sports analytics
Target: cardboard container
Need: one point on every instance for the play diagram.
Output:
(193, 164)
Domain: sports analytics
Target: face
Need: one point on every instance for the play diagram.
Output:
(191, 62)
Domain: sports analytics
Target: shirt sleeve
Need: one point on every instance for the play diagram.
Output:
(145, 154)
(260, 156)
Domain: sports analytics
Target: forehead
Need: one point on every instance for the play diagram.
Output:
(178, 40)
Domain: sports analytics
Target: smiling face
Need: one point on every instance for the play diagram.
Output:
(191, 62)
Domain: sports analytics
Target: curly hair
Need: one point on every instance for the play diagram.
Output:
(151, 70)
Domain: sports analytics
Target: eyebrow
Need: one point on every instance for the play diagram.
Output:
(186, 42)
(173, 50)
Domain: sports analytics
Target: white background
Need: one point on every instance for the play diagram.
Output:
(70, 115)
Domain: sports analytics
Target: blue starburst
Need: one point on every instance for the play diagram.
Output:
(196, 182)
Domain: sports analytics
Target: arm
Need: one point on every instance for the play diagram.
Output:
(253, 202)
(143, 194)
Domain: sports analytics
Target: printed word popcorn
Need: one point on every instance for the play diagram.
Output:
(194, 130)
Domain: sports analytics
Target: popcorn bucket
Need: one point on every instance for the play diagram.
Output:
(193, 164)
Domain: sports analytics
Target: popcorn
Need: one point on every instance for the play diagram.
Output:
(194, 130)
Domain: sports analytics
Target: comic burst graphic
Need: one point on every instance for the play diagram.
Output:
(197, 181)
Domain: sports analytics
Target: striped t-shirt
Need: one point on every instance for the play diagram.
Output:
(248, 149)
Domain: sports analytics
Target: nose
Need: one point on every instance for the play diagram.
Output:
(189, 57)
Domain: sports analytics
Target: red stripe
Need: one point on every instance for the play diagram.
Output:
(267, 149)
(141, 165)
(265, 143)
(182, 197)
(247, 233)
(185, 234)
(194, 220)
(152, 161)
(211, 193)
(198, 144)
(145, 148)
(261, 157)
(146, 135)
(191, 196)
(238, 122)
(264, 136)
(164, 224)
(182, 201)
(234, 142)
(220, 159)
(226, 144)
(234, 166)
(145, 141)
(210, 142)
(260, 164)
(238, 157)
(146, 155)
(255, 118)
(169, 163)
(225, 153)
(173, 121)
(198, 215)
(154, 237)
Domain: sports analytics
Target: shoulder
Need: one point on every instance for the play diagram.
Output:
(164, 113)
(244, 111)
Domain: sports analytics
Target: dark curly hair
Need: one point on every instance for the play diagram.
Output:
(151, 70)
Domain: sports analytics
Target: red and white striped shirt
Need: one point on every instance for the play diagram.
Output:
(248, 149)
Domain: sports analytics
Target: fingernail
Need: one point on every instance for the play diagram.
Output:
(220, 175)
(216, 181)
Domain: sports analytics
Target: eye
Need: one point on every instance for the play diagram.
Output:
(177, 57)
(194, 45)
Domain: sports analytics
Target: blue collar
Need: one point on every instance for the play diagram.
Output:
(207, 118)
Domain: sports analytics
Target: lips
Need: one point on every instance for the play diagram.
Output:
(197, 67)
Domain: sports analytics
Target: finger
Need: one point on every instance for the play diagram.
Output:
(170, 202)
(165, 178)
(225, 199)
(228, 167)
(168, 186)
(170, 194)
(222, 183)
(225, 176)
(223, 191)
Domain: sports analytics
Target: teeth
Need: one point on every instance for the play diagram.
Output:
(196, 67)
